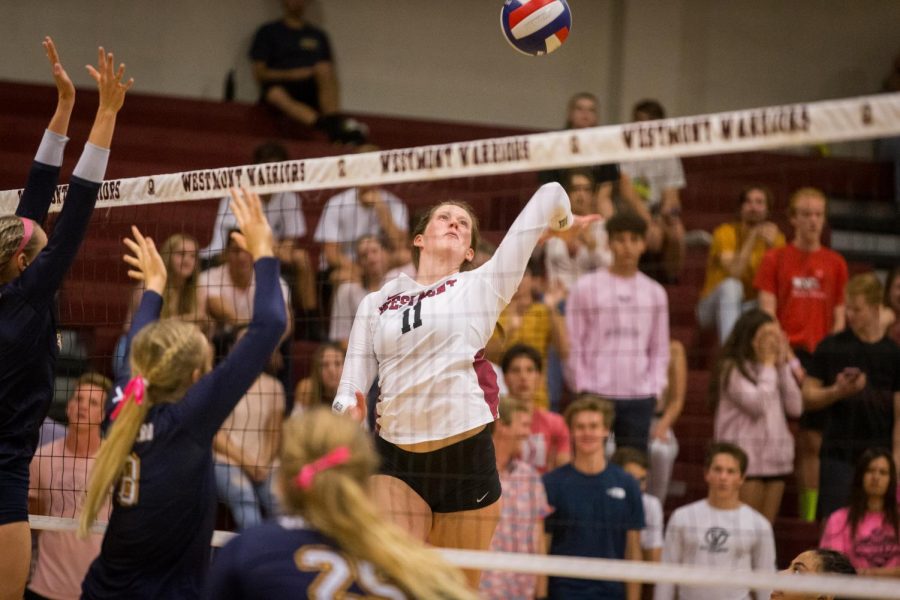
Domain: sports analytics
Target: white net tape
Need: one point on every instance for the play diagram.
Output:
(736, 131)
(614, 570)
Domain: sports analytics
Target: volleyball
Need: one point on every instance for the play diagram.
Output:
(536, 27)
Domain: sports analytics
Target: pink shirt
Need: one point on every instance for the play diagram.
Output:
(875, 544)
(549, 435)
(524, 506)
(753, 417)
(619, 335)
(58, 484)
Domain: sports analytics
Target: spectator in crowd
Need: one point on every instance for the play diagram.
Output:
(565, 263)
(658, 182)
(536, 324)
(753, 390)
(548, 445)
(597, 507)
(373, 263)
(635, 463)
(350, 215)
(663, 444)
(618, 323)
(582, 113)
(245, 448)
(324, 376)
(855, 377)
(294, 67)
(802, 285)
(818, 560)
(891, 310)
(182, 297)
(284, 212)
(719, 531)
(737, 250)
(868, 529)
(521, 526)
(227, 291)
(58, 480)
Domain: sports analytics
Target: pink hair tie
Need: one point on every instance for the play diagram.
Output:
(336, 457)
(28, 225)
(136, 387)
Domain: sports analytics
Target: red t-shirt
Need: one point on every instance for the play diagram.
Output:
(549, 434)
(807, 287)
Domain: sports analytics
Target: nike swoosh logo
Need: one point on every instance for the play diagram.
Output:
(482, 498)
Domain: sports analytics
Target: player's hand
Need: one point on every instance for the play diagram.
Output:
(255, 236)
(358, 413)
(110, 82)
(145, 262)
(64, 88)
(574, 233)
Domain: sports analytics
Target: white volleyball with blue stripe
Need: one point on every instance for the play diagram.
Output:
(536, 27)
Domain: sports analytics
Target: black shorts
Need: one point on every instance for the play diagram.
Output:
(462, 476)
(767, 478)
(813, 420)
(13, 495)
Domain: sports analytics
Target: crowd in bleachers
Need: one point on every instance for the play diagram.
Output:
(594, 379)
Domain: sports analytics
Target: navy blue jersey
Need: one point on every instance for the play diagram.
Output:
(157, 542)
(28, 337)
(592, 516)
(287, 559)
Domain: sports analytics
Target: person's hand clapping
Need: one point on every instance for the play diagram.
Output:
(145, 262)
(255, 236)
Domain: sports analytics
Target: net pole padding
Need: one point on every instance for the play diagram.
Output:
(608, 569)
(765, 128)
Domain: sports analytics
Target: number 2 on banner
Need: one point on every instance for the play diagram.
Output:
(417, 318)
(130, 481)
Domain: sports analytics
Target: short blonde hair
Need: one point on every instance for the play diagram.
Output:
(593, 403)
(866, 285)
(805, 192)
(508, 407)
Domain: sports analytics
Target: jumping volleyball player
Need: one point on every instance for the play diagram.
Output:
(331, 543)
(425, 339)
(158, 450)
(31, 270)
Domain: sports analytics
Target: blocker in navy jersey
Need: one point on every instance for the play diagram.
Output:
(288, 559)
(28, 336)
(157, 544)
(536, 27)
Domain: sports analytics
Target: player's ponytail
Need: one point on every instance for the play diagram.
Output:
(164, 356)
(326, 463)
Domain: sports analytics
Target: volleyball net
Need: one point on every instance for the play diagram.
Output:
(782, 148)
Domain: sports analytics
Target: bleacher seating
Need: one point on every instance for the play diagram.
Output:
(158, 135)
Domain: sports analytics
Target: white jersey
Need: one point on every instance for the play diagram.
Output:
(699, 534)
(425, 342)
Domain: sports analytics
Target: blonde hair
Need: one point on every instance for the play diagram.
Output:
(591, 403)
(805, 192)
(166, 354)
(179, 301)
(509, 406)
(12, 229)
(337, 504)
(866, 285)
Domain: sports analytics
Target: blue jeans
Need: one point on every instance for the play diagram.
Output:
(246, 499)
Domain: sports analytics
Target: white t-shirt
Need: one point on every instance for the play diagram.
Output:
(651, 177)
(216, 282)
(699, 534)
(345, 219)
(251, 422)
(652, 533)
(283, 212)
(425, 342)
(58, 484)
(565, 268)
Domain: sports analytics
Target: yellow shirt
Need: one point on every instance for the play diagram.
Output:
(729, 237)
(535, 331)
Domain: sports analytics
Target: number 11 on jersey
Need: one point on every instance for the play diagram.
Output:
(417, 318)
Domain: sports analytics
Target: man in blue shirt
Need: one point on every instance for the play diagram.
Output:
(598, 511)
